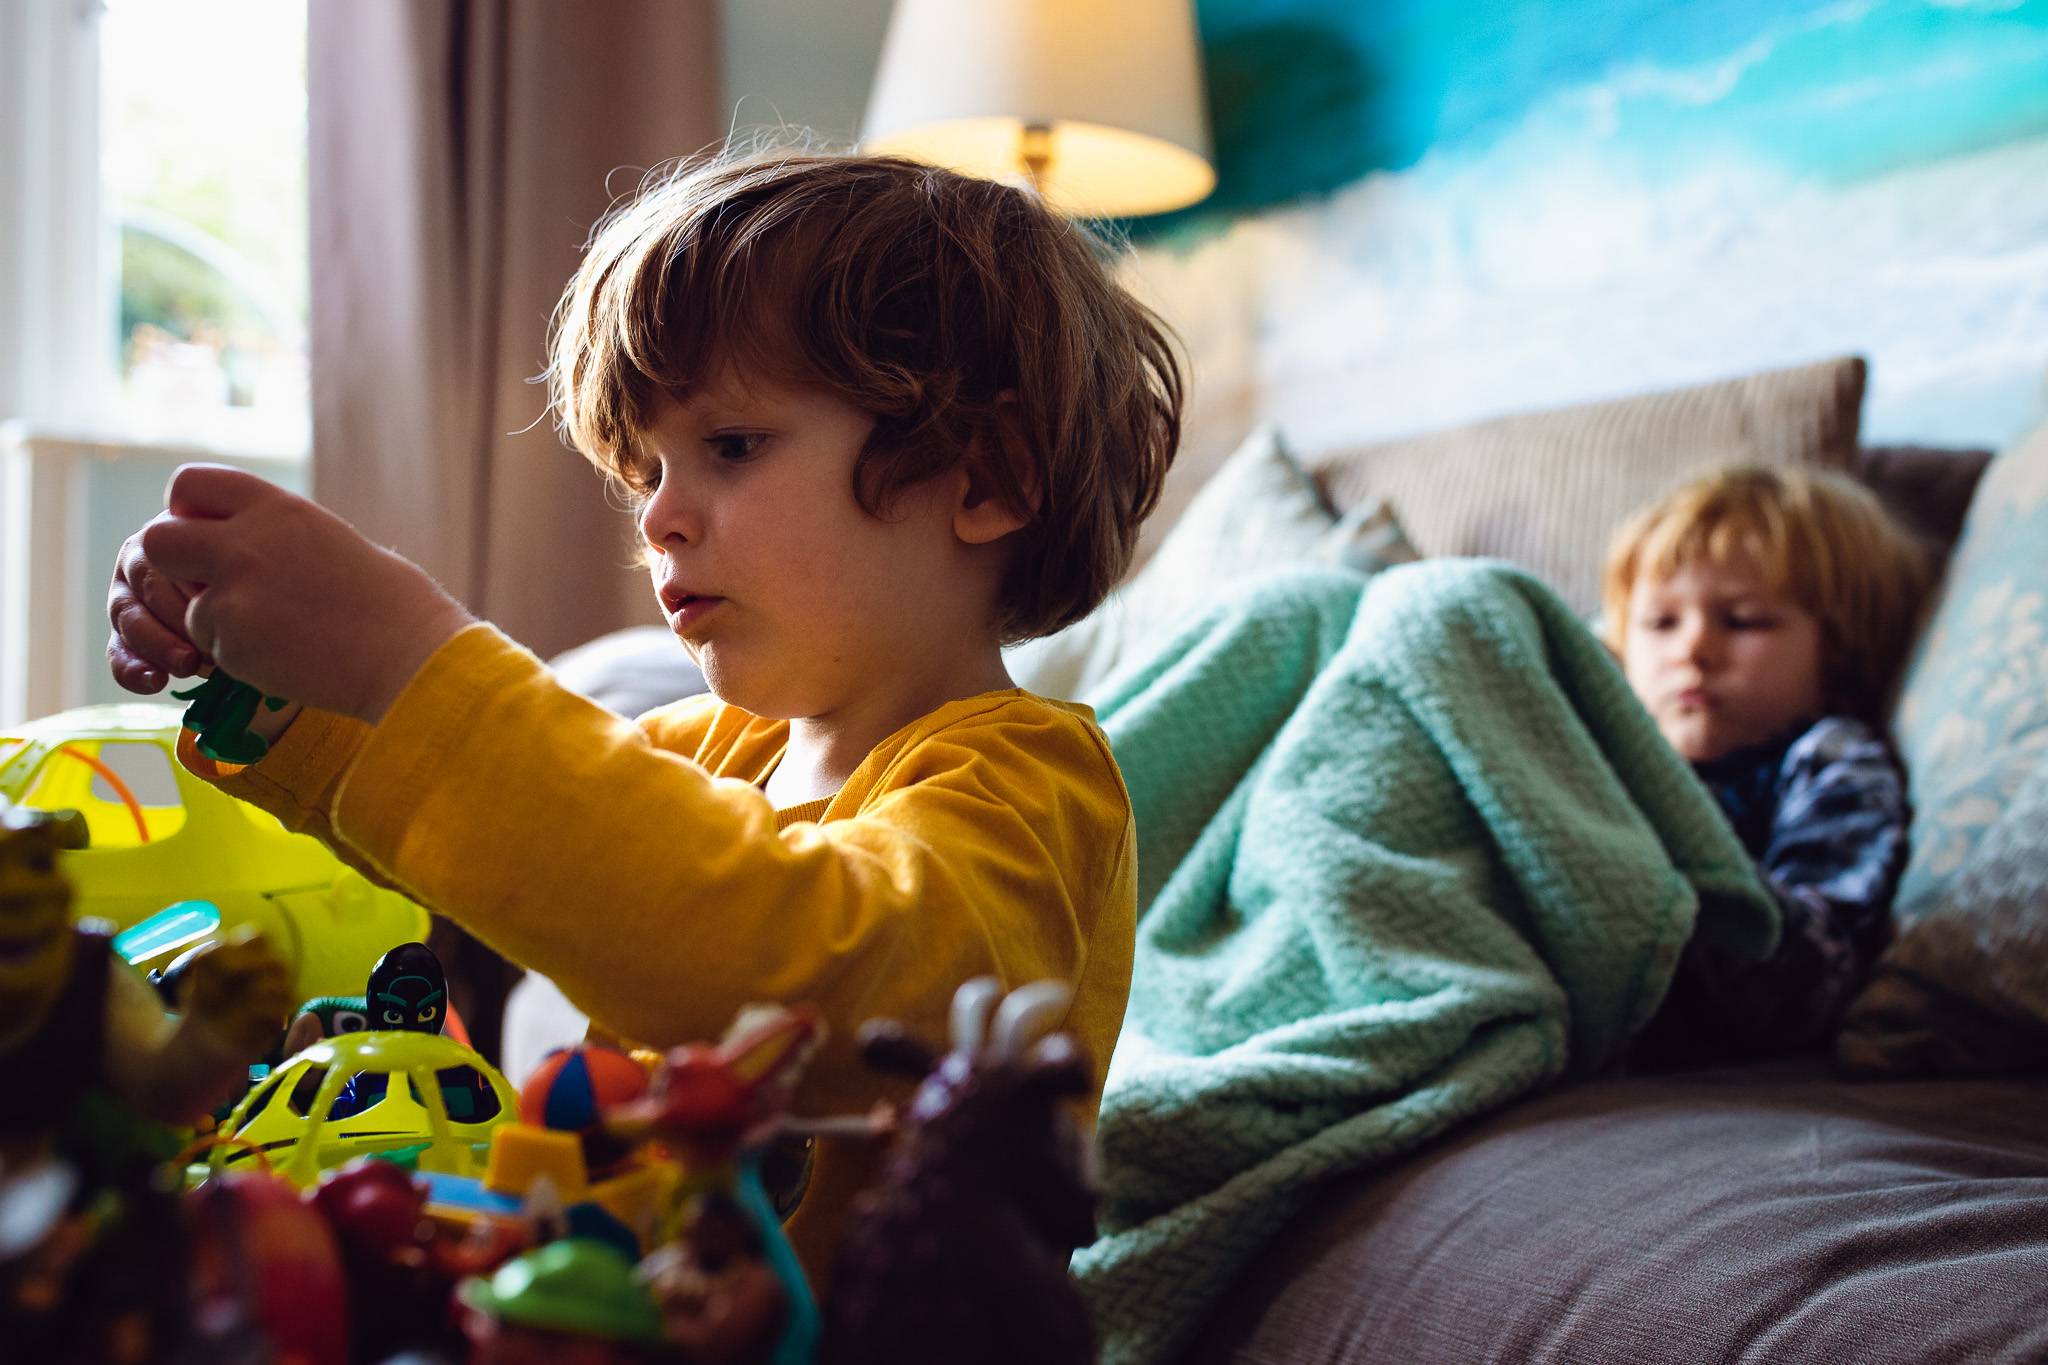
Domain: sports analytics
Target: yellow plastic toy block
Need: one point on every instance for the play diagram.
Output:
(522, 1153)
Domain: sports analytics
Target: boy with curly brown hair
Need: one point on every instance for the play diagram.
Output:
(877, 421)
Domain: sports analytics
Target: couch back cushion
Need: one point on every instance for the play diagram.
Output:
(1973, 718)
(1261, 511)
(1547, 489)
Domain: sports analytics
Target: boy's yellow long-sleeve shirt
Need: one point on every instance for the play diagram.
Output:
(640, 866)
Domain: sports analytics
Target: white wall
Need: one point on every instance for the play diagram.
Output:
(802, 63)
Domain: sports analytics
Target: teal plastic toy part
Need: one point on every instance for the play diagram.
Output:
(169, 929)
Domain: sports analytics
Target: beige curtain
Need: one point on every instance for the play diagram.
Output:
(460, 152)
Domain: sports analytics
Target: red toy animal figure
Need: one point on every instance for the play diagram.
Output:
(708, 1102)
(400, 1270)
(267, 1278)
(959, 1252)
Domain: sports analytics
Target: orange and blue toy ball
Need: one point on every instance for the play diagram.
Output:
(573, 1086)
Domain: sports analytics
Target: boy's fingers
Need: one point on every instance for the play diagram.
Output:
(142, 645)
(184, 549)
(138, 583)
(131, 671)
(213, 490)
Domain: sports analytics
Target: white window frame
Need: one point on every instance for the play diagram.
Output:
(59, 301)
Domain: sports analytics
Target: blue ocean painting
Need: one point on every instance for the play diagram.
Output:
(1309, 95)
(1430, 211)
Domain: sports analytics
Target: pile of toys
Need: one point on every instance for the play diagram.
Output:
(229, 1168)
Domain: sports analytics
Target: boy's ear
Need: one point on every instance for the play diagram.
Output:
(984, 513)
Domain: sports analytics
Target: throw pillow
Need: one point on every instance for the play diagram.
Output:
(1964, 988)
(1546, 490)
(1972, 721)
(1260, 511)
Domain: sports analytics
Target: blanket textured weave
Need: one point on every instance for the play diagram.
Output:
(1408, 849)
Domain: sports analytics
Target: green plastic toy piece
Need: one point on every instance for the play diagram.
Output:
(577, 1285)
(219, 716)
(338, 1014)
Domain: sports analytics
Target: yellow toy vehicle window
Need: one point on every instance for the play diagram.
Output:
(125, 789)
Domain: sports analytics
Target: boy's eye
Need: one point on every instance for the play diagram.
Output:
(733, 446)
(426, 1013)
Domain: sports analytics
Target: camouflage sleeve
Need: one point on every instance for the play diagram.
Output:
(1837, 846)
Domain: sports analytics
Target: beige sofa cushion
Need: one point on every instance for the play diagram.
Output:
(1259, 512)
(1547, 489)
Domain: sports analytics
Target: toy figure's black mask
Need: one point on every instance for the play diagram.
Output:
(408, 990)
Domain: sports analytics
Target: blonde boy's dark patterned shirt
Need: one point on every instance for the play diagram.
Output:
(1824, 814)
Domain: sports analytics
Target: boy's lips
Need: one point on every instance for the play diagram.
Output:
(685, 609)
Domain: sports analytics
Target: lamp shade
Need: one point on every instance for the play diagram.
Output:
(1105, 94)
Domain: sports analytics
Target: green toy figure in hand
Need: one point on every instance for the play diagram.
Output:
(219, 717)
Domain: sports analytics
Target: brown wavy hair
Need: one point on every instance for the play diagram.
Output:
(1820, 538)
(922, 297)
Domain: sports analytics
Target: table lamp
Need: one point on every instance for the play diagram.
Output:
(1097, 104)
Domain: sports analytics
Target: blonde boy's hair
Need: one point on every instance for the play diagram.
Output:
(1822, 539)
(927, 299)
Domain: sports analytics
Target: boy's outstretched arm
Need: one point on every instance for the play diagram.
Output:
(277, 590)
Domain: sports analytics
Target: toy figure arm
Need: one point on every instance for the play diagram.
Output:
(175, 1071)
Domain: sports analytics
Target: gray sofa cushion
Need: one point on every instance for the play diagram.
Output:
(1758, 1213)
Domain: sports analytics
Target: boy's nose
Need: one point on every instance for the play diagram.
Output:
(1700, 642)
(667, 521)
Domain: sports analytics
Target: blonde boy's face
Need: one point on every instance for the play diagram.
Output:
(1721, 660)
(794, 600)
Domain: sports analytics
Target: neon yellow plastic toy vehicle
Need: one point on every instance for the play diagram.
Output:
(298, 1135)
(159, 836)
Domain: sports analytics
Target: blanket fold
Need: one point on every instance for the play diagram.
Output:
(1408, 849)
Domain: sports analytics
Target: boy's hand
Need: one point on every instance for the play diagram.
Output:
(148, 647)
(277, 590)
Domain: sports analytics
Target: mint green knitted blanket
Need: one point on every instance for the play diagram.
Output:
(1408, 849)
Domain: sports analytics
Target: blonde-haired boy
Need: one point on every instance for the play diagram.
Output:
(1761, 616)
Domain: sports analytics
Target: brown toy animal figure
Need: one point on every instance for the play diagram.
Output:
(74, 1016)
(720, 1301)
(90, 1068)
(959, 1252)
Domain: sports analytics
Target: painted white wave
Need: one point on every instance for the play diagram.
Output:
(1555, 268)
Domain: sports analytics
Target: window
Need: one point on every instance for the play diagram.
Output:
(203, 163)
(152, 294)
(124, 788)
